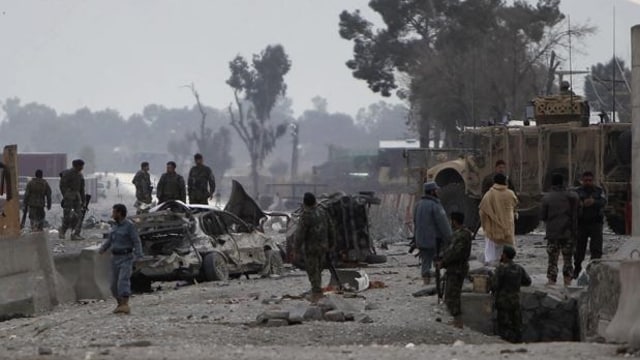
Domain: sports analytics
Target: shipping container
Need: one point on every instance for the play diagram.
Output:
(51, 164)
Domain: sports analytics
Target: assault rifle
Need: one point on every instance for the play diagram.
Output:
(333, 271)
(83, 212)
(25, 211)
(439, 287)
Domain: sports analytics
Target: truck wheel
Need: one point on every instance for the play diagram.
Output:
(617, 224)
(526, 224)
(214, 267)
(453, 198)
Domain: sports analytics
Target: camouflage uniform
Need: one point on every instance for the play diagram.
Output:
(142, 181)
(559, 212)
(505, 285)
(315, 237)
(171, 187)
(202, 184)
(36, 193)
(590, 220)
(72, 189)
(456, 260)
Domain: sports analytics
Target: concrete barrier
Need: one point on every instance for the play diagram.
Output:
(87, 273)
(27, 276)
(628, 312)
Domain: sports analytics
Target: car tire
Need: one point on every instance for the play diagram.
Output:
(214, 267)
(375, 259)
(276, 264)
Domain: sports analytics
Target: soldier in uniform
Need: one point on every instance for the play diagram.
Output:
(505, 285)
(36, 194)
(560, 212)
(315, 237)
(202, 183)
(142, 181)
(565, 88)
(456, 260)
(500, 168)
(431, 228)
(171, 185)
(73, 198)
(126, 248)
(590, 219)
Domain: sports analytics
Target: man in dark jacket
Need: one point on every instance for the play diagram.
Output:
(202, 183)
(505, 285)
(560, 212)
(590, 219)
(500, 168)
(456, 260)
(36, 195)
(171, 185)
(431, 228)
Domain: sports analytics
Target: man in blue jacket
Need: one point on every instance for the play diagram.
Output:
(431, 228)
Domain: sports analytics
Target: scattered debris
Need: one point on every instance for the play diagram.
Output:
(458, 343)
(514, 351)
(139, 343)
(410, 346)
(427, 291)
(377, 285)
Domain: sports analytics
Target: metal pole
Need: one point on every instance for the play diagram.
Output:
(635, 128)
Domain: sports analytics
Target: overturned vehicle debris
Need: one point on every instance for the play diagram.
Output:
(350, 216)
(196, 242)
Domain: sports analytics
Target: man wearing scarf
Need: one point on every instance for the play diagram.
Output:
(497, 216)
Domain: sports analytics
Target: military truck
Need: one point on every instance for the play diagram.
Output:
(556, 137)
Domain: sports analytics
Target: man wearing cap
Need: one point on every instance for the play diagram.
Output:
(505, 285)
(560, 214)
(431, 228)
(498, 210)
(73, 197)
(315, 237)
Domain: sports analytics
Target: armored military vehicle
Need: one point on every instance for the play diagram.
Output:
(556, 137)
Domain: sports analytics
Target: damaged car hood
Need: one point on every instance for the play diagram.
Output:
(244, 206)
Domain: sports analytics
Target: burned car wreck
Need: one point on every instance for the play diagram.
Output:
(196, 242)
(350, 216)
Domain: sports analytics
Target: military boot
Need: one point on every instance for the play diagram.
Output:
(123, 307)
(61, 233)
(567, 280)
(315, 297)
(551, 282)
(115, 311)
(76, 237)
(426, 280)
(457, 322)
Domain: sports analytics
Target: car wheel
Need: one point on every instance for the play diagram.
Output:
(214, 267)
(376, 259)
(275, 264)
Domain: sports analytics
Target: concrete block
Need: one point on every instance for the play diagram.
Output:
(27, 275)
(87, 273)
(477, 311)
(600, 300)
(628, 312)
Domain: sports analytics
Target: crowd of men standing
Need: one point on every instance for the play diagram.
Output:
(573, 219)
(200, 188)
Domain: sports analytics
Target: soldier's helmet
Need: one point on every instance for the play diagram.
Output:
(564, 86)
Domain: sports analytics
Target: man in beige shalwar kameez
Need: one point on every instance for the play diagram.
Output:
(497, 216)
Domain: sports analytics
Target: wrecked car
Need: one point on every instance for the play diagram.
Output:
(199, 242)
(350, 216)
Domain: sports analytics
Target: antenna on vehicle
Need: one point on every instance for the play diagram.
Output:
(613, 87)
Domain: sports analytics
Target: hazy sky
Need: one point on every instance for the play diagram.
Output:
(126, 54)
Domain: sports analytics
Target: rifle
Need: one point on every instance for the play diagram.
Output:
(437, 258)
(83, 212)
(333, 271)
(25, 211)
